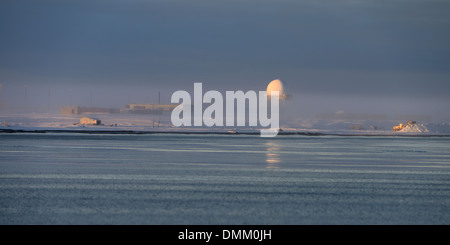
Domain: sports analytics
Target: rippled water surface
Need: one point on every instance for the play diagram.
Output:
(223, 179)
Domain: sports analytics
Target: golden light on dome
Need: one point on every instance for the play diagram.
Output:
(276, 85)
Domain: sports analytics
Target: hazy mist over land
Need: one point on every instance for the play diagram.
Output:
(369, 57)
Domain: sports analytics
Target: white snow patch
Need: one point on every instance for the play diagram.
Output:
(428, 128)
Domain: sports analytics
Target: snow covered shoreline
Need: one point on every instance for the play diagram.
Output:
(161, 124)
(214, 132)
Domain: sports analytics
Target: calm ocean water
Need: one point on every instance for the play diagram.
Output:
(223, 179)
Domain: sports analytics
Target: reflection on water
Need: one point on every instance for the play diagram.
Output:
(272, 154)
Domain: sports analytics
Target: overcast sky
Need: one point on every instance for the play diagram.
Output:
(338, 53)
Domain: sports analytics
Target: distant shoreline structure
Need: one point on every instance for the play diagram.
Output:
(180, 132)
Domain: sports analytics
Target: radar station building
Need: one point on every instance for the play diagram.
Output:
(150, 108)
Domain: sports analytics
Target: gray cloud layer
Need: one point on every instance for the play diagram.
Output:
(374, 48)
